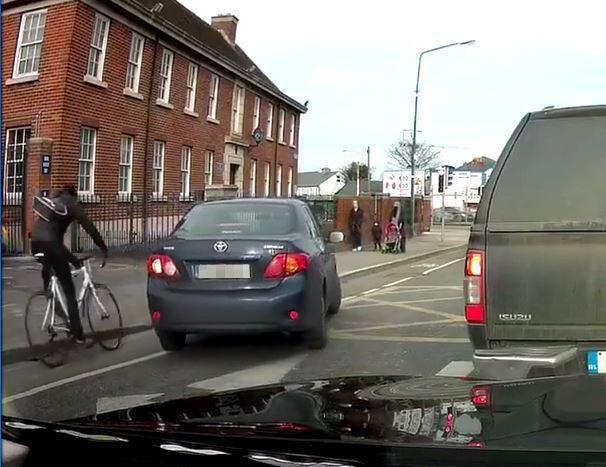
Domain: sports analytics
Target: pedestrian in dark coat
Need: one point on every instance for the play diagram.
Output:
(356, 221)
(376, 234)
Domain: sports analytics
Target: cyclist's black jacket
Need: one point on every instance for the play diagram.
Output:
(54, 230)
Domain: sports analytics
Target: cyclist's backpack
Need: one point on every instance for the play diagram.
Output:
(48, 209)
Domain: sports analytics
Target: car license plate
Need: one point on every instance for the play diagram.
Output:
(596, 362)
(222, 271)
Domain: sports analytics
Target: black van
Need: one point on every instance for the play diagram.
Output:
(535, 274)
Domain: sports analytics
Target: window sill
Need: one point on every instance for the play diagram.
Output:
(166, 105)
(269, 138)
(94, 81)
(89, 198)
(126, 198)
(133, 94)
(191, 113)
(282, 143)
(158, 198)
(292, 146)
(22, 79)
(212, 120)
(185, 198)
(12, 199)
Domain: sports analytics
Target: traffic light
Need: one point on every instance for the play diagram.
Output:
(441, 183)
(450, 175)
(427, 184)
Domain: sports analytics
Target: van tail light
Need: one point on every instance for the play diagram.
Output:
(286, 264)
(162, 267)
(473, 285)
(480, 396)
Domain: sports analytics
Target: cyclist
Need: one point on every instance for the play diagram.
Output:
(54, 217)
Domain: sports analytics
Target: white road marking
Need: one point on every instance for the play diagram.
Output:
(391, 284)
(459, 369)
(428, 287)
(109, 404)
(370, 291)
(396, 326)
(346, 299)
(396, 304)
(266, 373)
(429, 271)
(409, 307)
(437, 340)
(428, 300)
(72, 379)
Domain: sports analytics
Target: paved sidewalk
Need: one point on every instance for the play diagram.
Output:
(126, 276)
(350, 263)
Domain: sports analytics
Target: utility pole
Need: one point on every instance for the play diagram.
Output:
(368, 170)
(357, 179)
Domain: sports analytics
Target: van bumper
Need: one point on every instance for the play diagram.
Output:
(528, 362)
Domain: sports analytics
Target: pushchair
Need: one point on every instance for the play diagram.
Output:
(394, 234)
(393, 238)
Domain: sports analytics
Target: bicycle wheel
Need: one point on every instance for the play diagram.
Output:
(104, 316)
(49, 344)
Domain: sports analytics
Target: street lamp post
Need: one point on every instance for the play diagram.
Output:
(414, 130)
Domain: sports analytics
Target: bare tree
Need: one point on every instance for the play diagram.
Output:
(426, 155)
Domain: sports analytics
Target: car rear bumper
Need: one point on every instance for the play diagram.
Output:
(238, 311)
(510, 363)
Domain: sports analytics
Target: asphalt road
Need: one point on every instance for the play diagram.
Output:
(405, 320)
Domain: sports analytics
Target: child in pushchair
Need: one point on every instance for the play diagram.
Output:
(393, 237)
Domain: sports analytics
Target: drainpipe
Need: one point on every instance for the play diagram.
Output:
(276, 139)
(146, 153)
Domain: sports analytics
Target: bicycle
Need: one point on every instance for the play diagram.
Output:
(52, 319)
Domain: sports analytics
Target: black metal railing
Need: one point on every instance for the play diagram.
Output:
(12, 224)
(130, 221)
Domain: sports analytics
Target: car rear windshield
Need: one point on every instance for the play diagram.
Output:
(554, 176)
(236, 219)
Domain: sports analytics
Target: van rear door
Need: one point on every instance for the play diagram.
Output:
(546, 232)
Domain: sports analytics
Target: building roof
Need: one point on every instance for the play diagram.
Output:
(194, 31)
(479, 164)
(313, 178)
(350, 188)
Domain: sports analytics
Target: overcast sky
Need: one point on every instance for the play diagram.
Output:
(356, 64)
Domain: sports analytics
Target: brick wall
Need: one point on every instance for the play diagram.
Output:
(67, 103)
(22, 102)
(380, 209)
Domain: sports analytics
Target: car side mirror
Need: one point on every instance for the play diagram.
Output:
(336, 237)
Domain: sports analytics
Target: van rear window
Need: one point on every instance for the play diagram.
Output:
(555, 176)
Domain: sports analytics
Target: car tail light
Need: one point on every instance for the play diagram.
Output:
(162, 267)
(286, 264)
(480, 396)
(476, 444)
(474, 287)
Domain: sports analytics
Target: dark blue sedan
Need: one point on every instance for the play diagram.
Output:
(244, 266)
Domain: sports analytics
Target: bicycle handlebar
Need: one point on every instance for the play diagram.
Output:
(88, 257)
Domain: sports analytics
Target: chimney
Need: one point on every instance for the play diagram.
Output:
(325, 170)
(226, 25)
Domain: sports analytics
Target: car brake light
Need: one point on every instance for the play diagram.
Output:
(480, 396)
(473, 285)
(162, 267)
(286, 264)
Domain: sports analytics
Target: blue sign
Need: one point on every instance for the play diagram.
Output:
(46, 165)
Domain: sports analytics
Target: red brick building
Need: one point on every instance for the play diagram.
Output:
(138, 96)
